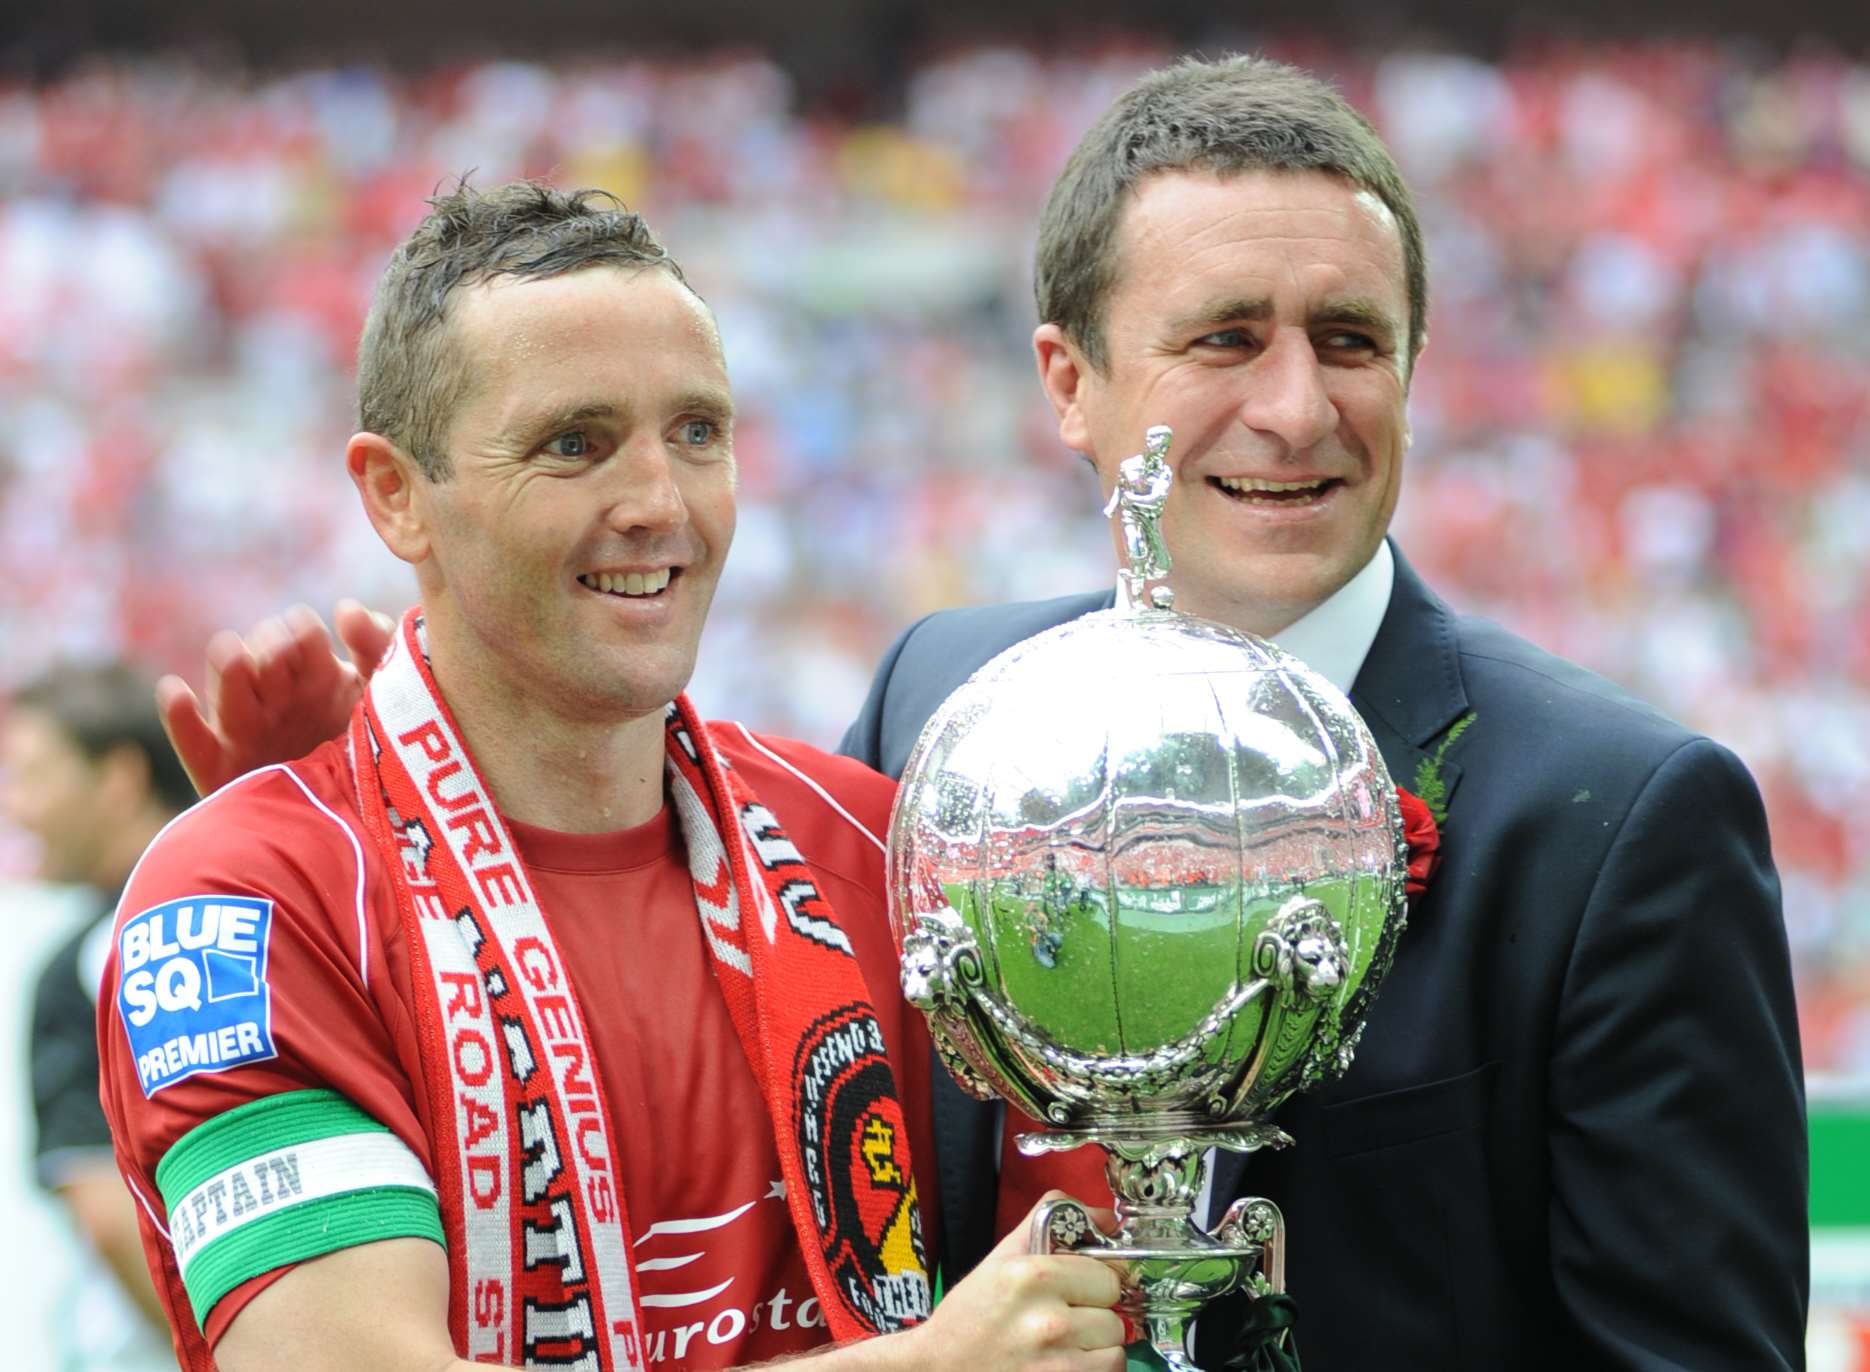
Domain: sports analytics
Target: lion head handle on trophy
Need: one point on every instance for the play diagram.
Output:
(1142, 490)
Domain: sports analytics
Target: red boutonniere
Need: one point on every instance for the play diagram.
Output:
(1424, 837)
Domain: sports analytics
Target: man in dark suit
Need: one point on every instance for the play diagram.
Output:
(1573, 1136)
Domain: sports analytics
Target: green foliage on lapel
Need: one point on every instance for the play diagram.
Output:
(1429, 786)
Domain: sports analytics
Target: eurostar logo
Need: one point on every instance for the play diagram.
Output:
(681, 1316)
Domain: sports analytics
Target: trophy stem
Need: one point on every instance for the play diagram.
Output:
(1155, 1186)
(1170, 1268)
(1156, 1195)
(1166, 1331)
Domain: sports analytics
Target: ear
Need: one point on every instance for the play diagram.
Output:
(1408, 430)
(391, 486)
(1414, 362)
(1065, 374)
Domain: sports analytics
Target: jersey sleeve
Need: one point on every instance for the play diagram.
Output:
(256, 1060)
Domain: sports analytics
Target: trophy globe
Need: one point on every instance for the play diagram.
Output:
(1146, 873)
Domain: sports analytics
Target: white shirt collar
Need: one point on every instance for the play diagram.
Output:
(1334, 639)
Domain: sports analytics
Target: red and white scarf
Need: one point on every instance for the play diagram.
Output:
(524, 1145)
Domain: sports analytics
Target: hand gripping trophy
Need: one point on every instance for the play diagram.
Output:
(1146, 873)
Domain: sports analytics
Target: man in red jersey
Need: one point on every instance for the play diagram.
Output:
(535, 1021)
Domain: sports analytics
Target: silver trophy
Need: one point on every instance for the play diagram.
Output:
(1146, 873)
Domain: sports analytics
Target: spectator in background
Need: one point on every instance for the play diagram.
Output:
(88, 773)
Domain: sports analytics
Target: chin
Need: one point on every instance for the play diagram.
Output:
(1263, 608)
(635, 692)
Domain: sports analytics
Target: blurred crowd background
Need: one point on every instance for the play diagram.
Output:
(1642, 425)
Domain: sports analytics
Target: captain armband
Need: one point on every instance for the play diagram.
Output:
(286, 1178)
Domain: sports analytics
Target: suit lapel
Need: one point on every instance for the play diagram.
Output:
(1410, 691)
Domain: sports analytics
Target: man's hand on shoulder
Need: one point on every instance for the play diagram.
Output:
(274, 695)
(1016, 1312)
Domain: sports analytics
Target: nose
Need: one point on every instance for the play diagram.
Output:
(1286, 395)
(645, 496)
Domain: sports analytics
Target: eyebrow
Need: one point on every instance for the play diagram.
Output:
(1257, 309)
(524, 430)
(712, 401)
(1357, 310)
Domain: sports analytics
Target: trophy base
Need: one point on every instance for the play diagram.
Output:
(1169, 1268)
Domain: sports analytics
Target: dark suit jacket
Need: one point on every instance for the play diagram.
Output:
(1574, 1134)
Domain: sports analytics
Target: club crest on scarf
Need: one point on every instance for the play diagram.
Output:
(855, 1152)
(841, 1136)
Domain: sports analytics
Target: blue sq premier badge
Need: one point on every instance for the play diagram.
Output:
(191, 987)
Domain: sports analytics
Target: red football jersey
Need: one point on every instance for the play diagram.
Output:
(260, 953)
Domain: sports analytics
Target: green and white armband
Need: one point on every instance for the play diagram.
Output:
(283, 1179)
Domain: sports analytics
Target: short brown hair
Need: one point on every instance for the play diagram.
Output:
(1234, 114)
(408, 377)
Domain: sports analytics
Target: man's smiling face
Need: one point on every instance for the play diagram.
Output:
(1263, 316)
(578, 539)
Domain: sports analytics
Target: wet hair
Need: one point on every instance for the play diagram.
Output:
(410, 375)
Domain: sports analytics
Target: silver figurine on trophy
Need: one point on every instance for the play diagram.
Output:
(1145, 873)
(1138, 499)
